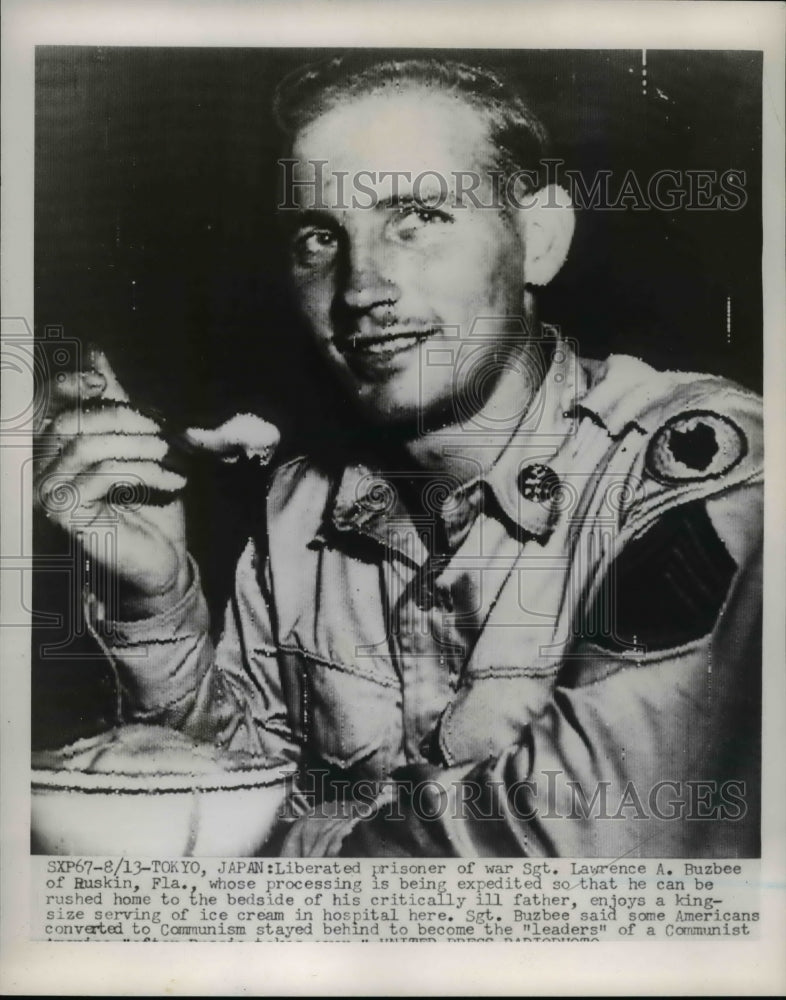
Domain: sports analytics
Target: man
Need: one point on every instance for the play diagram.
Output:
(524, 620)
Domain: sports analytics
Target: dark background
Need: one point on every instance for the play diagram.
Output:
(156, 239)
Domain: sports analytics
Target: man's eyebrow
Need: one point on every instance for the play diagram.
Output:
(408, 200)
(301, 218)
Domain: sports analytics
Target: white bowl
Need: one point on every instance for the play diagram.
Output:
(150, 791)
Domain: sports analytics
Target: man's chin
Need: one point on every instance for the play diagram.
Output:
(408, 417)
(396, 404)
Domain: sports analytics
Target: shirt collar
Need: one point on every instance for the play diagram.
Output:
(366, 501)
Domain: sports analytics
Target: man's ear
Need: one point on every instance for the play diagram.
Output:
(546, 221)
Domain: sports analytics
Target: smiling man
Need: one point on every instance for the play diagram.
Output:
(418, 255)
(526, 622)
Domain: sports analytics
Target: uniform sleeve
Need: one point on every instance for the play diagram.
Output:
(229, 695)
(648, 753)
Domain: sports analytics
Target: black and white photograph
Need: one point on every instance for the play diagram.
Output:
(396, 488)
(408, 450)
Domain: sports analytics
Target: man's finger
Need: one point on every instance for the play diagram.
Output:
(109, 419)
(86, 450)
(121, 421)
(67, 390)
(73, 386)
(126, 483)
(121, 484)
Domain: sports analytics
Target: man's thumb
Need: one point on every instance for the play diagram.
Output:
(100, 363)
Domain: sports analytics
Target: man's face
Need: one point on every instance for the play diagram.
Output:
(389, 287)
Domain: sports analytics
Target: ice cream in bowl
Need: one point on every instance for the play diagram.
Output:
(150, 791)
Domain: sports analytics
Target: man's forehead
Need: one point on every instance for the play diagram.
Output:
(415, 129)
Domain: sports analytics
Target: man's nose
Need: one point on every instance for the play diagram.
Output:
(368, 280)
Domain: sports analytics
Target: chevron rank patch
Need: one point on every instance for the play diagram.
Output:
(693, 446)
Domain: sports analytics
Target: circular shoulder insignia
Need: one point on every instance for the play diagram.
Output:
(538, 482)
(695, 445)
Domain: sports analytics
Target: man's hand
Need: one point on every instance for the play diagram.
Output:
(98, 475)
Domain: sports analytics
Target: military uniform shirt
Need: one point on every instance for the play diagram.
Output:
(560, 649)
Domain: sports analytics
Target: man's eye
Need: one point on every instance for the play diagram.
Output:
(415, 218)
(311, 244)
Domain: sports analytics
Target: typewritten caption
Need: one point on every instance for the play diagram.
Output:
(265, 899)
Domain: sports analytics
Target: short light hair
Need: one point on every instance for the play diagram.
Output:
(517, 135)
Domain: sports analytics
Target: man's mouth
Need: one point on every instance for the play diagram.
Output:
(384, 344)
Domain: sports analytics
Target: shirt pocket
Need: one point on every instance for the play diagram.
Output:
(346, 715)
(590, 663)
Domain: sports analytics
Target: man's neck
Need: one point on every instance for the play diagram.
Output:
(467, 448)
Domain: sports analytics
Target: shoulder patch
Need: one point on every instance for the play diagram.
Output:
(693, 446)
